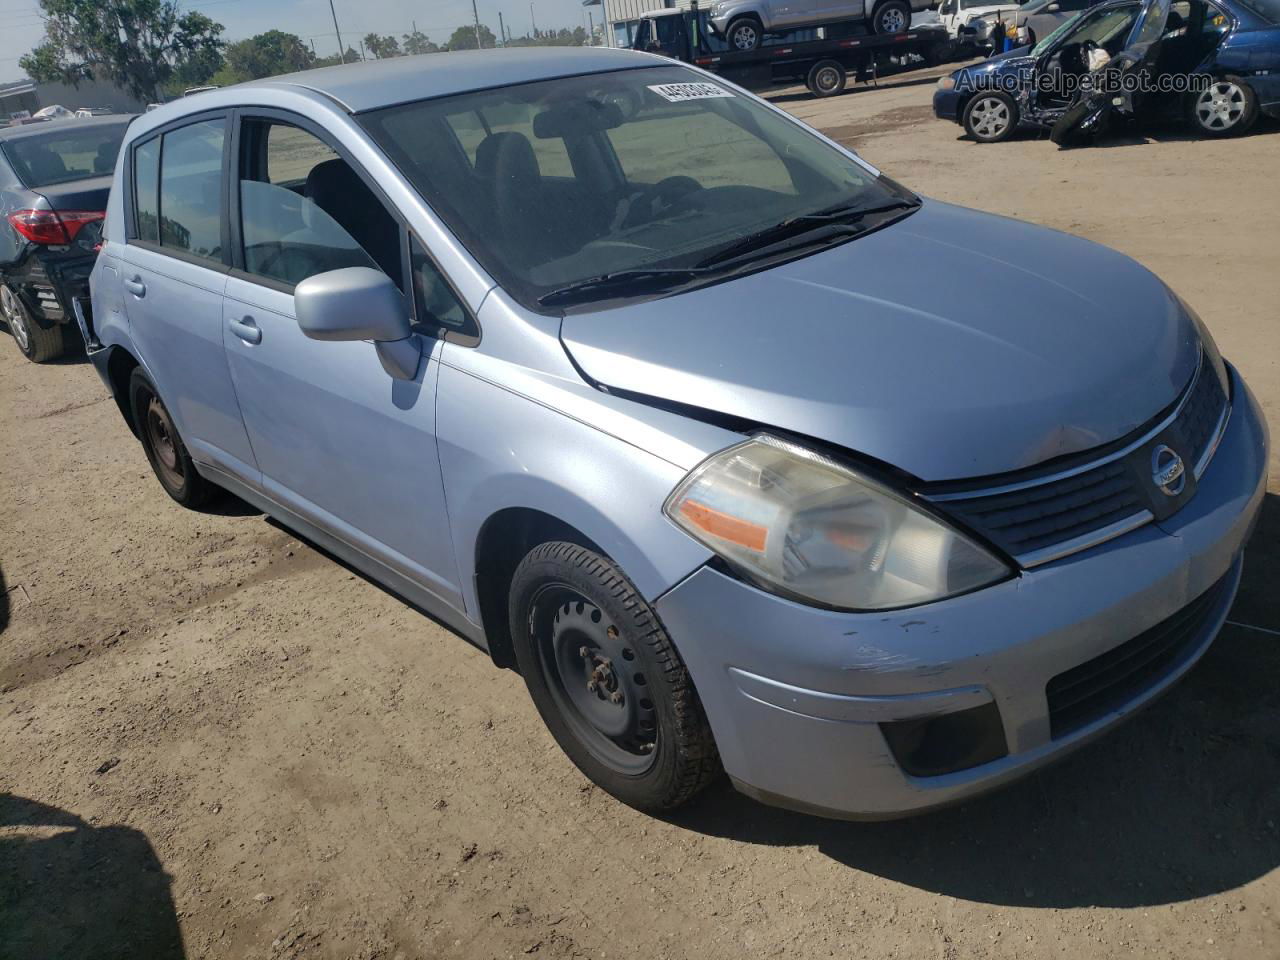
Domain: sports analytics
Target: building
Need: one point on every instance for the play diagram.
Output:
(25, 97)
(622, 16)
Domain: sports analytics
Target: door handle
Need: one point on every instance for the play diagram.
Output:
(135, 286)
(246, 329)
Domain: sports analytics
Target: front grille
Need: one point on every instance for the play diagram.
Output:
(1102, 685)
(1037, 517)
(1200, 415)
(1027, 520)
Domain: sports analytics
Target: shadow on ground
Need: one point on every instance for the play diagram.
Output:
(78, 892)
(4, 602)
(1181, 802)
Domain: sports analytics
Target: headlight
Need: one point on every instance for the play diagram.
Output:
(946, 83)
(798, 522)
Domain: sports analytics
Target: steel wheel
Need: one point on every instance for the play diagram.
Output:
(15, 318)
(595, 679)
(164, 442)
(1221, 107)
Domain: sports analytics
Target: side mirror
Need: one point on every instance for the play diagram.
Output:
(359, 303)
(1052, 8)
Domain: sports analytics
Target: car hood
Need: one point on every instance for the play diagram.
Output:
(952, 344)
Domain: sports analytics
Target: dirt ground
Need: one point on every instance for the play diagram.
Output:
(217, 742)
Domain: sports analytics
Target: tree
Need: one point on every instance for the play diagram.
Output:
(464, 38)
(382, 47)
(138, 45)
(417, 42)
(265, 55)
(351, 56)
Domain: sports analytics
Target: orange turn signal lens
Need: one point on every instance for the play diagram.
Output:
(724, 526)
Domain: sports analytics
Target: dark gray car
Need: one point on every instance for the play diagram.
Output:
(54, 182)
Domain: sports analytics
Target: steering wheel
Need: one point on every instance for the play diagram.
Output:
(287, 262)
(652, 201)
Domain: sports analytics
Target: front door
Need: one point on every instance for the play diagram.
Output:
(173, 274)
(339, 441)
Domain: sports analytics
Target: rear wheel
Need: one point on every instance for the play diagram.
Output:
(607, 680)
(165, 450)
(37, 343)
(990, 117)
(1228, 108)
(744, 34)
(892, 16)
(826, 78)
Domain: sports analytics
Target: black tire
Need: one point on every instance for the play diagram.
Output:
(607, 679)
(744, 34)
(166, 452)
(826, 78)
(891, 16)
(38, 344)
(990, 116)
(1227, 109)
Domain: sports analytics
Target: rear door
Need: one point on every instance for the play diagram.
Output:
(340, 442)
(174, 272)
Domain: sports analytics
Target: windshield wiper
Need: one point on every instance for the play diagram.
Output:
(799, 225)
(621, 281)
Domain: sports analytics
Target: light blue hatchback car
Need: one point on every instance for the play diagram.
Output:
(631, 379)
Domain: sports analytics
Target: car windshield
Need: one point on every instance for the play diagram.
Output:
(553, 183)
(1100, 26)
(66, 154)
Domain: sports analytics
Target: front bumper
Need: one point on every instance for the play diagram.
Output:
(796, 695)
(946, 104)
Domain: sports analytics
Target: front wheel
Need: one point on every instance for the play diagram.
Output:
(38, 344)
(991, 117)
(607, 680)
(1228, 108)
(892, 16)
(744, 35)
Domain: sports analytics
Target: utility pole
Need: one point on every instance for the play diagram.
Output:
(363, 55)
(533, 21)
(476, 17)
(591, 30)
(342, 50)
(502, 31)
(313, 46)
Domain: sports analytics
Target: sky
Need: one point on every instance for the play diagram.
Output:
(21, 27)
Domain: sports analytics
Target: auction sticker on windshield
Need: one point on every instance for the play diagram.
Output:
(680, 92)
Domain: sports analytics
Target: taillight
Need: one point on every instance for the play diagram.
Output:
(53, 227)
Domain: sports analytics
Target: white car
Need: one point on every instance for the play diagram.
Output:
(956, 15)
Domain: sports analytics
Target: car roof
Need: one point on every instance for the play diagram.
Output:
(25, 130)
(383, 83)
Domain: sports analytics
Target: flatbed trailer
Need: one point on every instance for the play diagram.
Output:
(822, 65)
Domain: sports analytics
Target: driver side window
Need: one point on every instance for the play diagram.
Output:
(304, 210)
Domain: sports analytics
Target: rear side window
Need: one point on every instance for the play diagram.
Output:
(191, 189)
(41, 161)
(146, 190)
(177, 189)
